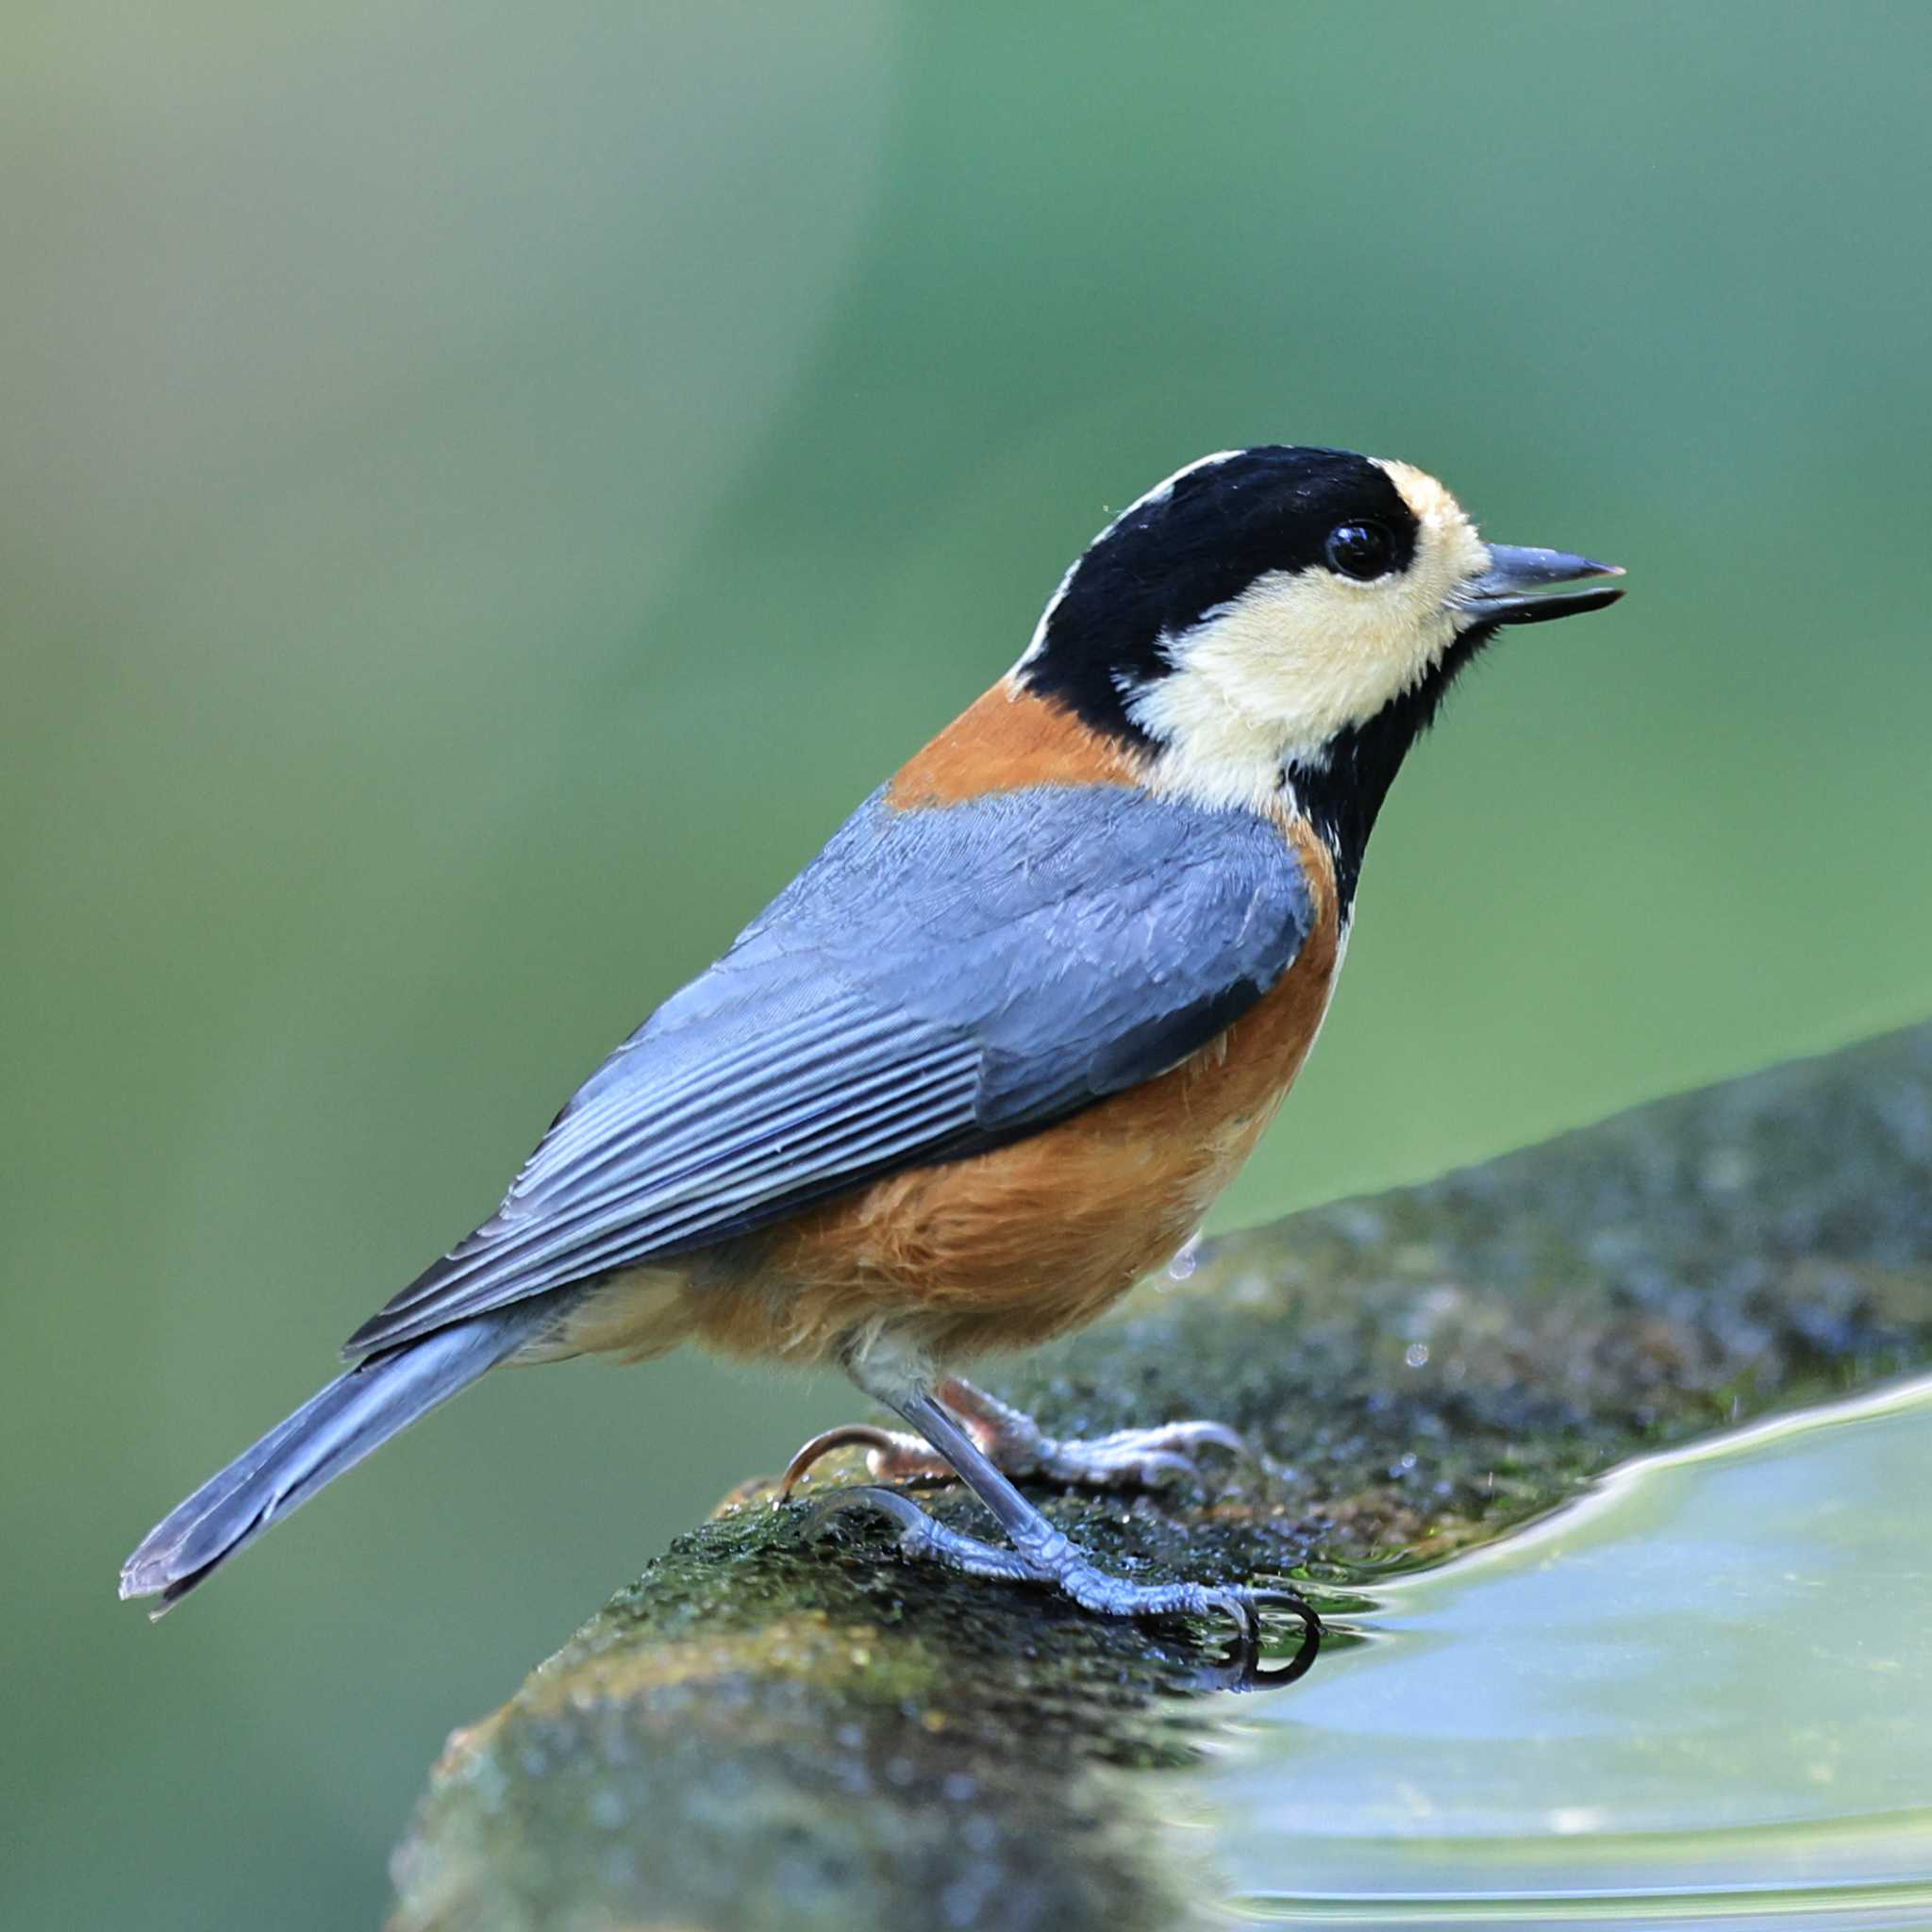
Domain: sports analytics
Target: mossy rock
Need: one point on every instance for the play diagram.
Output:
(770, 1731)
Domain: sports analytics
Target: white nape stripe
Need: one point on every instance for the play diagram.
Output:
(1160, 494)
(1037, 643)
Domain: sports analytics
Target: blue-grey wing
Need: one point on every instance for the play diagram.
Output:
(935, 983)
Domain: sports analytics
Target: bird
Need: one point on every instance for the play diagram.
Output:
(988, 1059)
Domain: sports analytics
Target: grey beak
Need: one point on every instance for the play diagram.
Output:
(1519, 586)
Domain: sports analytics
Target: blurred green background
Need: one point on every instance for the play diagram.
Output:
(485, 490)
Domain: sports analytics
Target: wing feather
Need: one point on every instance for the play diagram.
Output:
(935, 983)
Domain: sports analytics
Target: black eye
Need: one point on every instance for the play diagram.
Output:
(1360, 550)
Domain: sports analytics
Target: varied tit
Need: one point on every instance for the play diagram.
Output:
(987, 1059)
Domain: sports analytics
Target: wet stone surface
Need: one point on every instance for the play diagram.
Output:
(764, 1731)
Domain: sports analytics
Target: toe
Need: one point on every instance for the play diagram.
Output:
(1206, 1435)
(1144, 1459)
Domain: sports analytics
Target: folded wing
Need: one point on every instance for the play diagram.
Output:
(935, 983)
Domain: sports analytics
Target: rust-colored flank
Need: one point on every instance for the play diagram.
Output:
(1004, 1249)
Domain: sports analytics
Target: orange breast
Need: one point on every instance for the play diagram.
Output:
(1009, 1247)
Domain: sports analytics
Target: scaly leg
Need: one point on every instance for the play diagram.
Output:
(1039, 1553)
(1017, 1446)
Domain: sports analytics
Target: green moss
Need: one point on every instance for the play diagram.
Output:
(766, 1730)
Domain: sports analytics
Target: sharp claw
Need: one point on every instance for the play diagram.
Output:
(1303, 1660)
(911, 1521)
(1241, 1669)
(823, 1444)
(1235, 1602)
(1245, 1608)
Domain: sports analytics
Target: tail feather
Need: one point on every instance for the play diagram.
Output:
(331, 1432)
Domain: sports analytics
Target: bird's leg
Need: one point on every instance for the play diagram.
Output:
(1039, 1553)
(1017, 1446)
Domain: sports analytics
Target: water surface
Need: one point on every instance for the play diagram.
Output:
(1696, 1696)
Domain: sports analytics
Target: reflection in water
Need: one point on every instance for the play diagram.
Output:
(1699, 1695)
(1247, 1666)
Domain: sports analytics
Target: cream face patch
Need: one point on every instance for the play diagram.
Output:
(1278, 671)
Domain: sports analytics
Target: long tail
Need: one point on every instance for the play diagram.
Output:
(331, 1432)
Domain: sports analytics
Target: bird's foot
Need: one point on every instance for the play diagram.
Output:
(1017, 1446)
(1049, 1557)
(1129, 1458)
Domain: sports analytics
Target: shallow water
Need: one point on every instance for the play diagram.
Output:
(1698, 1695)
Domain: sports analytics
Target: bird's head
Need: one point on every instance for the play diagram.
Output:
(1280, 620)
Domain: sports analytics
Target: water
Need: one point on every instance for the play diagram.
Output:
(1699, 1695)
